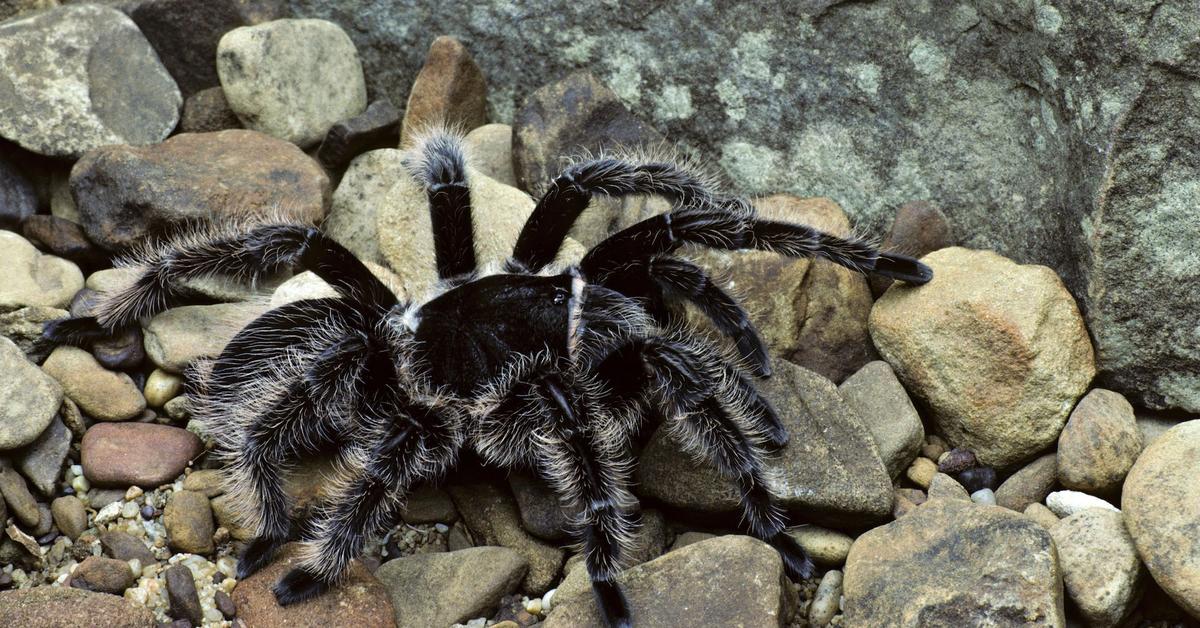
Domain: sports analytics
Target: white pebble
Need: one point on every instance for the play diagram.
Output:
(227, 565)
(135, 566)
(109, 513)
(441, 528)
(547, 603)
(984, 496)
(1066, 503)
(77, 469)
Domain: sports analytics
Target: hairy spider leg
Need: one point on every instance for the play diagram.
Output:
(439, 164)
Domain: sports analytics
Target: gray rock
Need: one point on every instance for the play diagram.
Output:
(69, 515)
(1152, 425)
(181, 593)
(103, 394)
(429, 505)
(1101, 570)
(125, 546)
(207, 111)
(177, 337)
(681, 588)
(35, 279)
(291, 79)
(1099, 444)
(885, 105)
(11, 8)
(28, 398)
(541, 513)
(24, 327)
(1029, 485)
(18, 200)
(364, 188)
(377, 127)
(943, 486)
(103, 575)
(885, 409)
(491, 514)
(446, 588)
(1002, 566)
(830, 470)
(918, 229)
(826, 601)
(79, 77)
(41, 461)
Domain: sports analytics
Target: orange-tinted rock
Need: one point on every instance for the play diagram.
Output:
(449, 89)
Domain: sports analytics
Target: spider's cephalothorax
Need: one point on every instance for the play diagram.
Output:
(549, 368)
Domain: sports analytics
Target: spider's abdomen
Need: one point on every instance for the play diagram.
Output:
(467, 335)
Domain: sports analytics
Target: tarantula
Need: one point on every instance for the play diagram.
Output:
(527, 364)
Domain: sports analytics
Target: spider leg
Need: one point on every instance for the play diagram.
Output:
(225, 251)
(438, 163)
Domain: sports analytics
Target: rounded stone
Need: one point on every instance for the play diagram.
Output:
(885, 409)
(1099, 444)
(145, 454)
(446, 588)
(162, 387)
(101, 393)
(489, 149)
(188, 519)
(179, 336)
(827, 548)
(69, 515)
(1067, 503)
(1029, 485)
(449, 90)
(31, 278)
(102, 575)
(62, 606)
(29, 398)
(1101, 570)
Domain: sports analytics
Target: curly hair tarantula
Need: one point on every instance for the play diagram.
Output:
(553, 368)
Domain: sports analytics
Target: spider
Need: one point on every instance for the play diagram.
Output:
(528, 364)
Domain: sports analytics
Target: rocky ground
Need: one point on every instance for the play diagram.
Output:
(953, 459)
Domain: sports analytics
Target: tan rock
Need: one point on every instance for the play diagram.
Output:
(446, 588)
(827, 548)
(178, 336)
(1099, 444)
(188, 519)
(62, 606)
(943, 486)
(1042, 515)
(886, 410)
(31, 278)
(489, 149)
(921, 472)
(162, 387)
(101, 393)
(29, 398)
(1101, 569)
(491, 514)
(449, 90)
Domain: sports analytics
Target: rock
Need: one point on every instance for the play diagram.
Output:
(489, 148)
(69, 515)
(65, 239)
(831, 469)
(18, 200)
(449, 90)
(978, 478)
(103, 575)
(206, 111)
(984, 496)
(11, 8)
(688, 538)
(827, 600)
(126, 547)
(827, 548)
(41, 462)
(162, 387)
(1067, 503)
(1161, 501)
(188, 519)
(1042, 515)
(649, 539)
(24, 328)
(28, 398)
(62, 606)
(98, 498)
(998, 374)
(943, 486)
(1003, 567)
(82, 76)
(181, 593)
(918, 229)
(185, 35)
(572, 116)
(541, 514)
(682, 589)
(1031, 484)
(491, 514)
(100, 393)
(225, 604)
(126, 192)
(956, 461)
(885, 409)
(934, 447)
(377, 127)
(364, 188)
(126, 351)
(20, 501)
(1101, 570)
(1099, 444)
(208, 482)
(291, 79)
(451, 587)
(360, 600)
(145, 454)
(178, 336)
(429, 505)
(921, 472)
(33, 278)
(1150, 425)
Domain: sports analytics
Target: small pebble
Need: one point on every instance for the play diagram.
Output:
(1066, 503)
(225, 604)
(109, 513)
(921, 472)
(148, 512)
(547, 600)
(162, 387)
(984, 496)
(129, 510)
(827, 599)
(534, 606)
(956, 460)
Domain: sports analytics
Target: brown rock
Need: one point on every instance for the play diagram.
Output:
(360, 600)
(64, 239)
(1031, 484)
(20, 501)
(208, 482)
(1101, 570)
(102, 575)
(181, 592)
(101, 393)
(943, 486)
(1042, 515)
(61, 607)
(1099, 444)
(207, 111)
(449, 90)
(145, 454)
(125, 192)
(998, 375)
(188, 519)
(125, 546)
(918, 229)
(69, 515)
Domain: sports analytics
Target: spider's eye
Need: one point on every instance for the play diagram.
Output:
(560, 296)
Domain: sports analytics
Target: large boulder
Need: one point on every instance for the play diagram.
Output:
(996, 350)
(82, 76)
(1161, 502)
(125, 192)
(951, 563)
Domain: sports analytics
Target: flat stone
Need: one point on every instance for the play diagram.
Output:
(28, 398)
(206, 111)
(33, 278)
(360, 600)
(41, 462)
(63, 606)
(489, 149)
(103, 575)
(20, 501)
(1099, 444)
(69, 515)
(961, 561)
(142, 454)
(1029, 485)
(492, 516)
(429, 504)
(377, 127)
(1161, 502)
(103, 394)
(885, 409)
(292, 79)
(449, 90)
(81, 76)
(188, 519)
(1101, 570)
(18, 199)
(681, 588)
(179, 336)
(1067, 503)
(182, 596)
(24, 327)
(450, 587)
(830, 470)
(999, 375)
(65, 239)
(126, 547)
(126, 192)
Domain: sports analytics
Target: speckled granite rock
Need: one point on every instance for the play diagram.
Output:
(61, 607)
